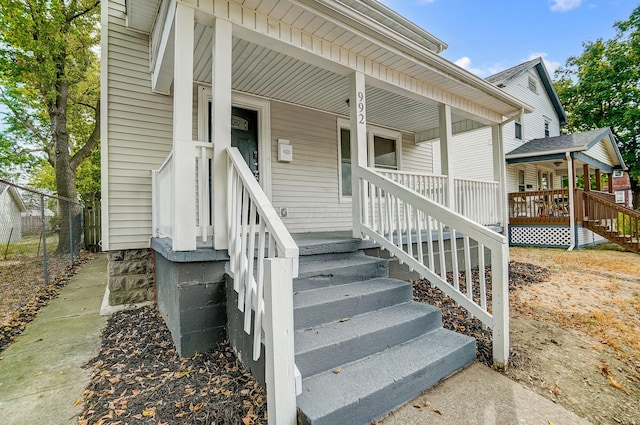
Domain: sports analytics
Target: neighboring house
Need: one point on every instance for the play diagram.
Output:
(537, 163)
(621, 188)
(253, 147)
(11, 208)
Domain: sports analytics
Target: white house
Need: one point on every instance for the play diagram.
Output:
(11, 208)
(541, 210)
(251, 150)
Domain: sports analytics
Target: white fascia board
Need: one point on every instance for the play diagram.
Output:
(554, 152)
(162, 73)
(334, 11)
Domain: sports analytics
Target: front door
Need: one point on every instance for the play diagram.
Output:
(244, 136)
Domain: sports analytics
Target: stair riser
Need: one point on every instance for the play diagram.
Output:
(385, 400)
(334, 355)
(340, 276)
(316, 315)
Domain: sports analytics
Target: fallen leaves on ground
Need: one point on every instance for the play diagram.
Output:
(22, 283)
(456, 318)
(138, 378)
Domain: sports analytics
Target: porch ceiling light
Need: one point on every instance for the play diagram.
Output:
(557, 163)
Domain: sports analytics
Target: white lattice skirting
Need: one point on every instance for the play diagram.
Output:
(550, 236)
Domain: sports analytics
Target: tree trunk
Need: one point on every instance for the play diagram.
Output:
(70, 212)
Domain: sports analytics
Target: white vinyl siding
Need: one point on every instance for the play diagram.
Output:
(308, 185)
(139, 133)
(472, 151)
(472, 155)
(416, 157)
(599, 151)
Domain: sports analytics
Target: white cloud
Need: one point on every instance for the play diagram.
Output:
(465, 63)
(549, 64)
(565, 5)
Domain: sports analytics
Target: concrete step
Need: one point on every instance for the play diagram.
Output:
(326, 304)
(328, 346)
(366, 389)
(336, 269)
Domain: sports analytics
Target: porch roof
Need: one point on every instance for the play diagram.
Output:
(584, 146)
(318, 43)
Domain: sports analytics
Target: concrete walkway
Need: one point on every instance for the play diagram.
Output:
(41, 373)
(478, 395)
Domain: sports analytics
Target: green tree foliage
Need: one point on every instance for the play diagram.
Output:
(601, 88)
(49, 86)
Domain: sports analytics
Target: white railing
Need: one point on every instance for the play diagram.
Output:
(162, 196)
(424, 234)
(204, 219)
(264, 261)
(478, 200)
(475, 199)
(431, 186)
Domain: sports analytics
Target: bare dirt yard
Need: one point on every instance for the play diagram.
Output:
(575, 336)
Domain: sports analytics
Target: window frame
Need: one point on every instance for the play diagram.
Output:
(521, 187)
(372, 131)
(533, 84)
(518, 126)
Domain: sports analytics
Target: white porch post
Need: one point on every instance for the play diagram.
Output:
(221, 131)
(446, 166)
(184, 205)
(500, 175)
(358, 112)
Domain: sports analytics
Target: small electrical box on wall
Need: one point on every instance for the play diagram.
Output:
(285, 150)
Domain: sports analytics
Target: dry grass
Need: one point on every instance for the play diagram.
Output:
(596, 292)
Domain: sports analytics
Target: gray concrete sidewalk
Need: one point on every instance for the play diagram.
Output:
(41, 374)
(478, 395)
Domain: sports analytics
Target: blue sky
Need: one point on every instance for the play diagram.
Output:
(486, 37)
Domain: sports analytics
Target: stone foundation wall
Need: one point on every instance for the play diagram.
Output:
(131, 276)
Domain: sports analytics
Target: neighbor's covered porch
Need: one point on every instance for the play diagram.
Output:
(564, 203)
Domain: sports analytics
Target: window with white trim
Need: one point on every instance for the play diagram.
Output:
(533, 85)
(518, 125)
(546, 129)
(521, 184)
(383, 151)
(619, 197)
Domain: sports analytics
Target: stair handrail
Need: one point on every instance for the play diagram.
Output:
(264, 261)
(397, 218)
(616, 223)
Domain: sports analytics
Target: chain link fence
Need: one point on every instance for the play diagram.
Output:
(41, 234)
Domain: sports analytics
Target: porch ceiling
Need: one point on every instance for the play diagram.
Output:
(264, 72)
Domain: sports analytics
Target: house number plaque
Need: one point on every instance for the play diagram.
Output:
(361, 108)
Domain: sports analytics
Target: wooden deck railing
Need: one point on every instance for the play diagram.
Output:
(424, 234)
(539, 207)
(618, 224)
(264, 260)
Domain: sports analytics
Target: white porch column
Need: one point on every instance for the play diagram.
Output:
(184, 204)
(500, 174)
(446, 162)
(221, 127)
(358, 139)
